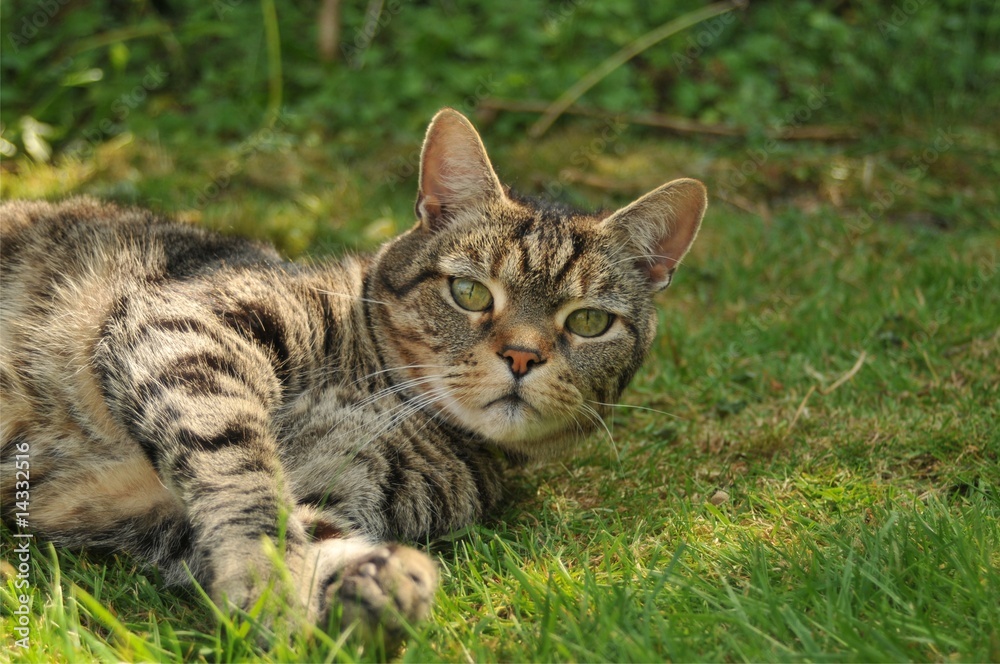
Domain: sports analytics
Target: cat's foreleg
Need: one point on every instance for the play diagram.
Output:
(197, 397)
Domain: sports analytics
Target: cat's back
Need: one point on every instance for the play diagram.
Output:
(53, 243)
(65, 267)
(68, 260)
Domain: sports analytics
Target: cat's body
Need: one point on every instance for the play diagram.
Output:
(183, 396)
(110, 314)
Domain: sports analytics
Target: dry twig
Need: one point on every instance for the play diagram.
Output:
(675, 123)
(847, 376)
(594, 76)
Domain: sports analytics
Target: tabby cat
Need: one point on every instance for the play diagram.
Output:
(191, 399)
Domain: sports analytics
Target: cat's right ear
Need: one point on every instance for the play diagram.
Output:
(455, 172)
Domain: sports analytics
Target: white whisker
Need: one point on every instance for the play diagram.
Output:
(384, 421)
(398, 387)
(402, 368)
(411, 408)
(650, 256)
(349, 296)
(625, 405)
(403, 410)
(594, 415)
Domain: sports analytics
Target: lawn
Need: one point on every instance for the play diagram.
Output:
(807, 468)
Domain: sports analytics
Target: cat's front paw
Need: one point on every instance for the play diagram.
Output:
(385, 589)
(379, 588)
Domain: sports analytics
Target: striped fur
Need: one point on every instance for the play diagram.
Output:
(187, 396)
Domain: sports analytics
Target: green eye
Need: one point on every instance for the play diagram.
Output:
(589, 322)
(471, 295)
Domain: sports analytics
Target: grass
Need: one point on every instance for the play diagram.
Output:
(812, 469)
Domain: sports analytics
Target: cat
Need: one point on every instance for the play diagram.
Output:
(197, 402)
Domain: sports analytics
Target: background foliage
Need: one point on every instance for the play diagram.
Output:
(882, 64)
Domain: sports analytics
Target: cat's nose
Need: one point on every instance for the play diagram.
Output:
(520, 360)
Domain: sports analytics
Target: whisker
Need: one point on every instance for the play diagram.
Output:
(385, 420)
(403, 368)
(415, 406)
(398, 387)
(403, 410)
(398, 414)
(633, 257)
(418, 402)
(625, 405)
(350, 296)
(581, 431)
(431, 417)
(594, 415)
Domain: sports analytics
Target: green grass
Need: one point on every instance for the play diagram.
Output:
(860, 518)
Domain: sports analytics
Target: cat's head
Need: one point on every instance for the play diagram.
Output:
(515, 321)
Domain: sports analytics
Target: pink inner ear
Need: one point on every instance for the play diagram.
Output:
(680, 231)
(659, 271)
(428, 206)
(661, 226)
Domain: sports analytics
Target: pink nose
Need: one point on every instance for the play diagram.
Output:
(520, 360)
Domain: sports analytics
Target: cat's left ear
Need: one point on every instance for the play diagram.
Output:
(455, 172)
(660, 227)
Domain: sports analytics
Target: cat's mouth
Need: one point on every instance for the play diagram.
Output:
(514, 421)
(512, 403)
(512, 416)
